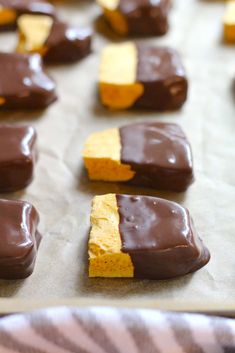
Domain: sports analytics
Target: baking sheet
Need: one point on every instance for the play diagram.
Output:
(62, 193)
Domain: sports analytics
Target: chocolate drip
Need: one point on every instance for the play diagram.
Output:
(24, 83)
(162, 74)
(17, 157)
(160, 155)
(160, 237)
(19, 239)
(145, 18)
(67, 44)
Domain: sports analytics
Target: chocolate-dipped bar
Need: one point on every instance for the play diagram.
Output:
(17, 157)
(142, 76)
(229, 22)
(23, 82)
(56, 41)
(19, 239)
(137, 17)
(142, 237)
(10, 10)
(156, 155)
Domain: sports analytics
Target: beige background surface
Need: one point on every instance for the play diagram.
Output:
(62, 193)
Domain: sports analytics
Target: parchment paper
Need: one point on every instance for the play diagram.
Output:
(62, 193)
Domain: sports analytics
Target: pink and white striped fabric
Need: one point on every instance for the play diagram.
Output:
(112, 330)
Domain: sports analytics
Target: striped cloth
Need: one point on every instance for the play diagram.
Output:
(110, 330)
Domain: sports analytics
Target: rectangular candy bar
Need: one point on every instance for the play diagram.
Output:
(142, 237)
(229, 22)
(56, 41)
(137, 17)
(17, 157)
(10, 10)
(155, 155)
(142, 76)
(19, 239)
(24, 83)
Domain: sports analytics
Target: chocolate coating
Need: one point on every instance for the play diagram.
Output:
(23, 82)
(67, 43)
(163, 76)
(17, 157)
(160, 237)
(145, 17)
(35, 7)
(160, 155)
(19, 239)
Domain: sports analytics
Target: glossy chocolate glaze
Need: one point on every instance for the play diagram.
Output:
(159, 153)
(23, 82)
(26, 7)
(145, 17)
(163, 76)
(19, 239)
(160, 237)
(17, 157)
(67, 43)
